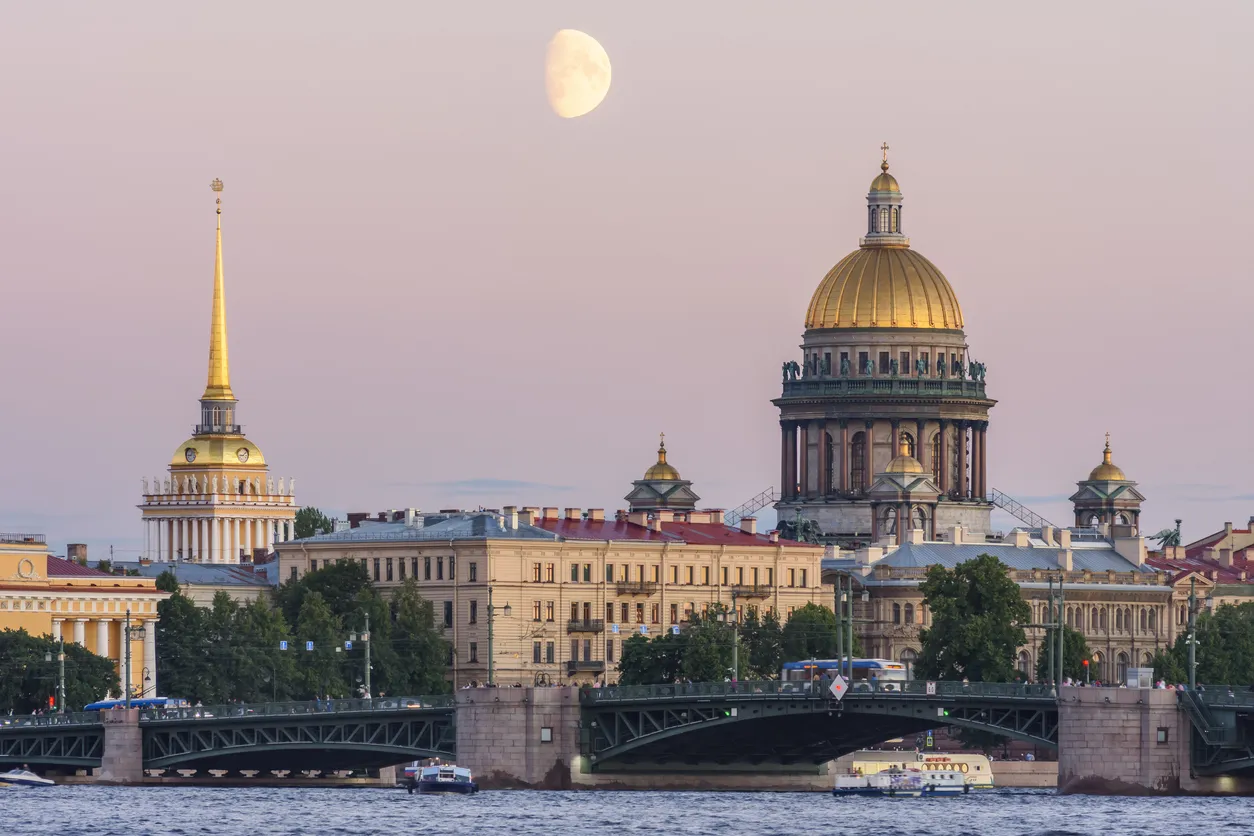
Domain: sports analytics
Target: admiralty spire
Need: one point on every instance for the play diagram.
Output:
(218, 502)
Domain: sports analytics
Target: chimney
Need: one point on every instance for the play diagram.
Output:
(773, 536)
(574, 514)
(409, 517)
(1228, 529)
(76, 552)
(527, 516)
(915, 536)
(749, 525)
(1047, 534)
(717, 516)
(1225, 558)
(1064, 538)
(1064, 560)
(1020, 539)
(596, 514)
(550, 513)
(620, 515)
(655, 524)
(955, 534)
(869, 555)
(699, 517)
(664, 516)
(510, 513)
(640, 518)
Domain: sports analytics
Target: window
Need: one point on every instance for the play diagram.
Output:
(587, 573)
(804, 585)
(792, 577)
(388, 567)
(587, 612)
(363, 564)
(674, 613)
(426, 568)
(293, 573)
(400, 568)
(1119, 620)
(376, 568)
(857, 460)
(474, 651)
(587, 650)
(885, 364)
(705, 575)
(827, 362)
(452, 567)
(883, 224)
(674, 574)
(574, 611)
(1144, 619)
(864, 362)
(726, 573)
(474, 612)
(574, 650)
(896, 613)
(691, 572)
(924, 362)
(609, 650)
(1162, 735)
(549, 610)
(903, 365)
(313, 564)
(550, 573)
(439, 567)
(936, 458)
(907, 439)
(655, 613)
(535, 572)
(448, 613)
(740, 575)
(474, 571)
(655, 573)
(574, 573)
(909, 613)
(626, 619)
(770, 576)
(640, 613)
(535, 653)
(609, 573)
(535, 611)
(639, 573)
(550, 652)
(609, 613)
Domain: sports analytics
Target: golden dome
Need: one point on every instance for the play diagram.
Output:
(904, 463)
(884, 287)
(661, 472)
(1107, 471)
(222, 451)
(885, 182)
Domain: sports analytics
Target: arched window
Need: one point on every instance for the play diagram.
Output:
(888, 520)
(1144, 620)
(1025, 664)
(857, 461)
(896, 613)
(1147, 659)
(1099, 665)
(918, 520)
(895, 224)
(883, 226)
(1153, 621)
(1094, 520)
(1121, 667)
(936, 458)
(1103, 618)
(1093, 619)
(1119, 621)
(1183, 616)
(909, 613)
(1120, 519)
(908, 657)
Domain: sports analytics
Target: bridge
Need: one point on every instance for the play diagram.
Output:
(792, 723)
(1223, 729)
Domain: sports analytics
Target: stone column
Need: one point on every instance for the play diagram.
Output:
(56, 628)
(80, 632)
(147, 544)
(102, 638)
(945, 456)
(791, 486)
(291, 530)
(963, 484)
(236, 539)
(844, 455)
(825, 466)
(249, 530)
(896, 442)
(868, 457)
(269, 524)
(984, 460)
(150, 658)
(922, 450)
(211, 540)
(783, 460)
(803, 444)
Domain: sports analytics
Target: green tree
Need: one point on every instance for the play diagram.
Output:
(812, 633)
(1224, 652)
(1075, 651)
(311, 521)
(420, 646)
(263, 671)
(322, 667)
(705, 646)
(339, 585)
(184, 659)
(1170, 667)
(650, 662)
(977, 622)
(29, 673)
(761, 646)
(224, 650)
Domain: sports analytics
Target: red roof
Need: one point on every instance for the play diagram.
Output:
(673, 532)
(59, 567)
(1198, 547)
(1178, 568)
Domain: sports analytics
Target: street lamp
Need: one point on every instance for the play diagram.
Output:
(1192, 640)
(365, 637)
(129, 634)
(506, 611)
(60, 673)
(146, 676)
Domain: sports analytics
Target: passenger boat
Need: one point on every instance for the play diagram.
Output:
(24, 778)
(977, 769)
(444, 778)
(903, 783)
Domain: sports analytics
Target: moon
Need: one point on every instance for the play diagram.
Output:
(576, 73)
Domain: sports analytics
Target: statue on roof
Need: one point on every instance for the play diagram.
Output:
(825, 367)
(893, 368)
(920, 367)
(844, 367)
(940, 367)
(868, 368)
(145, 480)
(215, 485)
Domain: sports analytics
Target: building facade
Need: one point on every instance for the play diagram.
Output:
(48, 596)
(551, 597)
(885, 366)
(218, 501)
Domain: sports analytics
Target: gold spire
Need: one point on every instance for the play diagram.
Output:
(1107, 471)
(904, 463)
(218, 387)
(662, 471)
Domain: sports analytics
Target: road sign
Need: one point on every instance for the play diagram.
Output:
(674, 629)
(614, 629)
(929, 741)
(283, 645)
(348, 645)
(644, 629)
(838, 687)
(309, 645)
(931, 689)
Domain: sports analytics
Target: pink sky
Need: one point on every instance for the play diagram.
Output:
(440, 294)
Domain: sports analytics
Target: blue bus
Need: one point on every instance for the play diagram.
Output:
(885, 671)
(139, 702)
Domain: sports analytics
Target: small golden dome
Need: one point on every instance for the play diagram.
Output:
(884, 182)
(661, 472)
(227, 451)
(884, 287)
(904, 463)
(1107, 471)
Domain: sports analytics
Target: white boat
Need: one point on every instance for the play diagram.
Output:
(977, 769)
(24, 778)
(903, 783)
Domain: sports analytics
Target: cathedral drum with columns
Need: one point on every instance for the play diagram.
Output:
(883, 421)
(219, 501)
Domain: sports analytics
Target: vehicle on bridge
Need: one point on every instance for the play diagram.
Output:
(141, 702)
(885, 673)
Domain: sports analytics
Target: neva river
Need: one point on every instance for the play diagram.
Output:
(183, 811)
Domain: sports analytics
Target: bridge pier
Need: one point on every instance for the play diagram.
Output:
(1131, 741)
(519, 738)
(121, 761)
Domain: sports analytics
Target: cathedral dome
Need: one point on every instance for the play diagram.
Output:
(885, 182)
(1107, 471)
(884, 287)
(661, 472)
(226, 451)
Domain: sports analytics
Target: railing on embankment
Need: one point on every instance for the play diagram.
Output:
(775, 689)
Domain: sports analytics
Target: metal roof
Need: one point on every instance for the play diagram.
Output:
(475, 526)
(1087, 556)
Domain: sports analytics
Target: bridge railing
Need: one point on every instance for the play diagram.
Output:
(74, 718)
(305, 707)
(814, 690)
(1220, 696)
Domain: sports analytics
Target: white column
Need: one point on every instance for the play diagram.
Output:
(150, 658)
(198, 536)
(249, 531)
(186, 527)
(228, 540)
(80, 632)
(56, 628)
(235, 525)
(102, 638)
(160, 538)
(259, 533)
(147, 531)
(211, 540)
(269, 535)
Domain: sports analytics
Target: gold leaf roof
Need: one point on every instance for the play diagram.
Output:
(884, 287)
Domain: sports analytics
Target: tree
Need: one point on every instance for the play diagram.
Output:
(339, 585)
(1170, 667)
(650, 662)
(1075, 652)
(1224, 652)
(761, 646)
(977, 622)
(263, 671)
(812, 632)
(29, 673)
(184, 661)
(311, 521)
(322, 669)
(420, 647)
(705, 646)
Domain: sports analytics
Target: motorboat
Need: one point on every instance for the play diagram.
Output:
(24, 778)
(442, 778)
(903, 783)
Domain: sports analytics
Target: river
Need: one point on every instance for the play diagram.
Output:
(188, 811)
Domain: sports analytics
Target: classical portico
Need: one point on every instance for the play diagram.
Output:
(219, 501)
(885, 370)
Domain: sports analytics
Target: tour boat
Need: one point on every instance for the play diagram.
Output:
(24, 778)
(903, 783)
(444, 778)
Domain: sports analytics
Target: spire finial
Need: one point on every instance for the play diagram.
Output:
(884, 149)
(218, 387)
(1106, 452)
(661, 448)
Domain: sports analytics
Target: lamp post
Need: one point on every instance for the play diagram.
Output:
(129, 634)
(146, 676)
(1192, 640)
(506, 610)
(60, 674)
(365, 638)
(734, 617)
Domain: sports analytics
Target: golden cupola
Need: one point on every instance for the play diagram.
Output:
(884, 283)
(904, 462)
(1107, 471)
(662, 471)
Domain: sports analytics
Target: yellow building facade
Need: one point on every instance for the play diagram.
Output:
(218, 501)
(560, 592)
(48, 596)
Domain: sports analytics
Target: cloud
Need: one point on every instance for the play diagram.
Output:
(477, 487)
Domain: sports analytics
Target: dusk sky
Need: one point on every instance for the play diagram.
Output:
(440, 294)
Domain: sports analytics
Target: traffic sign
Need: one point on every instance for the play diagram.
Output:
(348, 645)
(644, 629)
(309, 645)
(838, 687)
(283, 645)
(614, 628)
(674, 629)
(931, 689)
